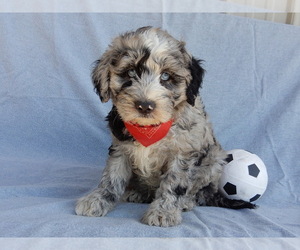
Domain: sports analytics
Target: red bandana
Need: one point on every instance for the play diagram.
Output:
(148, 135)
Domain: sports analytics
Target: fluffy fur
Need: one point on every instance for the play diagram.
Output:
(150, 67)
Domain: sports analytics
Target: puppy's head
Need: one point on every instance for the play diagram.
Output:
(147, 74)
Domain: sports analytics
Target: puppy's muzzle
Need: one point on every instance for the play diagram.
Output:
(145, 107)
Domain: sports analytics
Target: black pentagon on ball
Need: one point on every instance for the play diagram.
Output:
(230, 188)
(253, 170)
(229, 158)
(255, 197)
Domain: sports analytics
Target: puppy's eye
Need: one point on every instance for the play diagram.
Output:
(131, 73)
(165, 76)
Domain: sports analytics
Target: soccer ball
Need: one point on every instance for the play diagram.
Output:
(244, 177)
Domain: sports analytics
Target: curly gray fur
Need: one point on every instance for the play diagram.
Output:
(176, 173)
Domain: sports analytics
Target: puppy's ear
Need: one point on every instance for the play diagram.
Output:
(143, 29)
(101, 76)
(197, 73)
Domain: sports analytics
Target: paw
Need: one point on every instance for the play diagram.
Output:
(162, 218)
(92, 205)
(134, 196)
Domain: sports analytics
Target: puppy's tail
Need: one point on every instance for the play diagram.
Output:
(218, 200)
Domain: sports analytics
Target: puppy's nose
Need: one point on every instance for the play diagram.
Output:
(145, 107)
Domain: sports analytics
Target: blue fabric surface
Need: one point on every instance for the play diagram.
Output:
(54, 140)
(122, 6)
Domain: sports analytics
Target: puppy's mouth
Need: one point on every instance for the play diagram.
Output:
(145, 122)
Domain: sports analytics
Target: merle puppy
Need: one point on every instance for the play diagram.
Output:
(163, 148)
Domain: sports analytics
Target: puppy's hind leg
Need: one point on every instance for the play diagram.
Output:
(208, 197)
(220, 201)
(138, 192)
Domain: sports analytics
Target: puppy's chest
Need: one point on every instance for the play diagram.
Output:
(148, 162)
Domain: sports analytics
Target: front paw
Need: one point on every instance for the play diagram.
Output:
(162, 218)
(93, 205)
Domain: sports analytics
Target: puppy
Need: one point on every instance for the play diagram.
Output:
(163, 148)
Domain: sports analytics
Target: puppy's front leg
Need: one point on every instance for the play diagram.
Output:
(170, 199)
(112, 185)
